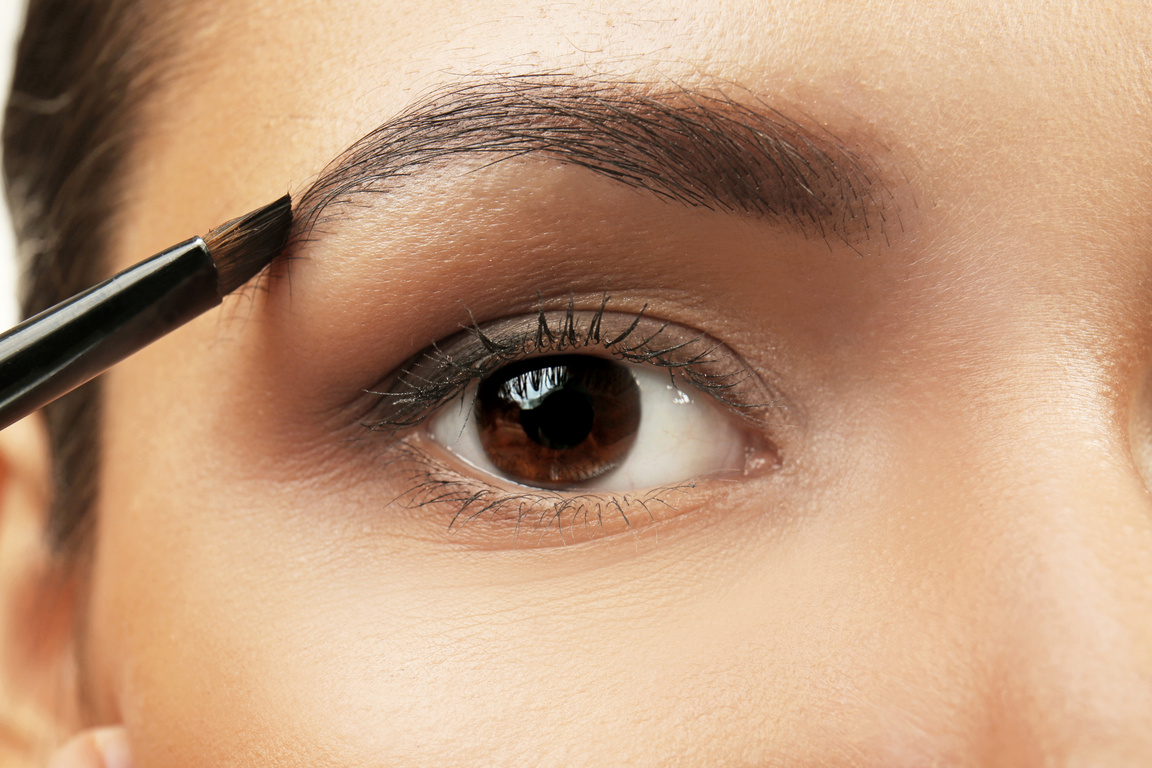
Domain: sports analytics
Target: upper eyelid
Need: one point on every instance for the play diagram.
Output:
(443, 371)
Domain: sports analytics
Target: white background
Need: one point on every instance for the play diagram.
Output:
(11, 14)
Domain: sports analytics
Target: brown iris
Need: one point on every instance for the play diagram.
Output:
(558, 420)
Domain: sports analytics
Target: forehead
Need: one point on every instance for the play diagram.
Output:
(1006, 114)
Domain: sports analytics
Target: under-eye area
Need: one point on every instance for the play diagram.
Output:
(490, 511)
(571, 424)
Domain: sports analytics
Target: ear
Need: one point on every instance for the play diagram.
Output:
(37, 595)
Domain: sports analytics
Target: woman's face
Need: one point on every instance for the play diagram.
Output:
(898, 516)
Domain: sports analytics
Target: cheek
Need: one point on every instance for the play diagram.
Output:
(243, 617)
(1140, 429)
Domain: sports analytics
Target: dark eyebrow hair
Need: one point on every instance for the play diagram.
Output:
(699, 149)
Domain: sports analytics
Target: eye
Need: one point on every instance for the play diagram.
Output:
(571, 424)
(582, 422)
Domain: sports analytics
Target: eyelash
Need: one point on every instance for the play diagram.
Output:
(437, 375)
(432, 483)
(444, 371)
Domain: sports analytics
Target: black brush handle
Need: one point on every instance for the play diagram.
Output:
(61, 348)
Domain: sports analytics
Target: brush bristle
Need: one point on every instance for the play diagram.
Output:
(244, 246)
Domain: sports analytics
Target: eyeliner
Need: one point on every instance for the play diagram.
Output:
(59, 349)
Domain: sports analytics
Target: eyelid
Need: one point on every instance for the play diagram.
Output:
(443, 371)
(437, 487)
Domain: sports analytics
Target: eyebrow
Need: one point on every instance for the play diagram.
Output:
(705, 150)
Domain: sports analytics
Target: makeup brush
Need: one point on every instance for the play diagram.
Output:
(61, 348)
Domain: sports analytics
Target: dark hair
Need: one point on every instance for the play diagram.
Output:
(82, 68)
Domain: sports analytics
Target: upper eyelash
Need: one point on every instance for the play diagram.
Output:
(435, 377)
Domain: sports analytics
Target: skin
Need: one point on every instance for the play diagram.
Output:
(952, 564)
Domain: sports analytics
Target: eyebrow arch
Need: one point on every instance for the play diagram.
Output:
(699, 149)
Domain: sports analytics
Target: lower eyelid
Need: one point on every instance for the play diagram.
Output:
(482, 513)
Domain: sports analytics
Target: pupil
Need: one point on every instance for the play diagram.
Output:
(562, 421)
(558, 420)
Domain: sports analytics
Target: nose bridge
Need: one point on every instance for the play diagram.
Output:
(1068, 577)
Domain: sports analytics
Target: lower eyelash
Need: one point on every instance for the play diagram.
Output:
(571, 516)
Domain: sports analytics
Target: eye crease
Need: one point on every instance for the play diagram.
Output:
(573, 419)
